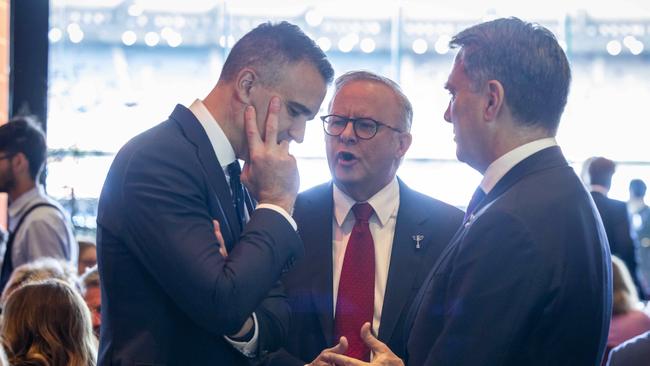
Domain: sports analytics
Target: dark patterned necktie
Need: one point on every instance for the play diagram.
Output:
(477, 197)
(237, 190)
(356, 294)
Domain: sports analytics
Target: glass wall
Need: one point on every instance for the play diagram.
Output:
(118, 67)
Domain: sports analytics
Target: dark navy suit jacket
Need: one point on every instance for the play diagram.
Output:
(527, 281)
(168, 296)
(309, 284)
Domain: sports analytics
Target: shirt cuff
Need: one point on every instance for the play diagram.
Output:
(281, 211)
(248, 349)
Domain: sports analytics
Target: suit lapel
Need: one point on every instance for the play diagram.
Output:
(212, 168)
(548, 158)
(404, 259)
(317, 232)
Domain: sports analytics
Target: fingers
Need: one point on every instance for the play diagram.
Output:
(222, 245)
(272, 121)
(341, 360)
(252, 132)
(340, 347)
(375, 345)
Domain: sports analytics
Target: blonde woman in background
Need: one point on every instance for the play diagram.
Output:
(627, 320)
(48, 324)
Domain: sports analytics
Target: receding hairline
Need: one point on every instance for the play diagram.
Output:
(406, 108)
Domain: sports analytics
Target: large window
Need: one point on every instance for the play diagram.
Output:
(118, 67)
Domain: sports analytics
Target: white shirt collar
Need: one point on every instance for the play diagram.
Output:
(383, 203)
(502, 165)
(600, 189)
(222, 147)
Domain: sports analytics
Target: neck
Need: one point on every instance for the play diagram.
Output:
(360, 192)
(224, 109)
(509, 139)
(20, 189)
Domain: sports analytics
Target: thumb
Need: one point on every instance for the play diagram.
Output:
(341, 347)
(375, 345)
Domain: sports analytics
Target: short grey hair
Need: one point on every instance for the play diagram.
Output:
(362, 75)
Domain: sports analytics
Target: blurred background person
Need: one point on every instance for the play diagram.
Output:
(92, 295)
(87, 256)
(640, 213)
(38, 225)
(628, 320)
(48, 323)
(634, 352)
(40, 270)
(614, 215)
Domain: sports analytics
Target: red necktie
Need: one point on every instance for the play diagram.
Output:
(356, 295)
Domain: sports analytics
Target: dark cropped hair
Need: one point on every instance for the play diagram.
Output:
(601, 171)
(637, 188)
(269, 47)
(24, 135)
(526, 59)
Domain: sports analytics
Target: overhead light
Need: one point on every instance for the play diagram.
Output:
(367, 45)
(314, 18)
(614, 47)
(75, 34)
(129, 37)
(420, 46)
(442, 44)
(151, 39)
(324, 43)
(54, 35)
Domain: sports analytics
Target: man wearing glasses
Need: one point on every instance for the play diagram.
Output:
(38, 225)
(369, 239)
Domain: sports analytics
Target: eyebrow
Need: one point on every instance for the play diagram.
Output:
(301, 108)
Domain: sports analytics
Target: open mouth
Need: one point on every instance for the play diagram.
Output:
(345, 157)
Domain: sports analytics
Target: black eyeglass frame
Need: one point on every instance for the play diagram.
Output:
(354, 125)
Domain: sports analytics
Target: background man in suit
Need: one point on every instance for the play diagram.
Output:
(367, 135)
(168, 295)
(526, 281)
(615, 216)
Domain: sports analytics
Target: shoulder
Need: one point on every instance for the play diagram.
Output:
(429, 206)
(315, 194)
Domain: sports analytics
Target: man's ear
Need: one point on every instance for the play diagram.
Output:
(495, 99)
(246, 80)
(19, 163)
(405, 139)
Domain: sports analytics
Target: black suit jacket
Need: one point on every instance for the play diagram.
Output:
(168, 296)
(309, 284)
(527, 281)
(619, 234)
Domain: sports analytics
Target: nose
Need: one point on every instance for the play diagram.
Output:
(448, 113)
(348, 134)
(297, 131)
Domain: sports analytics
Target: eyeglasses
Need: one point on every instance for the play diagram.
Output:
(364, 128)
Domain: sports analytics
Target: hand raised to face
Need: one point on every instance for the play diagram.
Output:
(271, 173)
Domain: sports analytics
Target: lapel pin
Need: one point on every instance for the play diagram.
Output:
(418, 238)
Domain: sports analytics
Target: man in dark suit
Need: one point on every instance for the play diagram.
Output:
(615, 216)
(169, 297)
(367, 135)
(527, 279)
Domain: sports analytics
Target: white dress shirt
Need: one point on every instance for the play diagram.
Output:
(507, 161)
(385, 204)
(226, 155)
